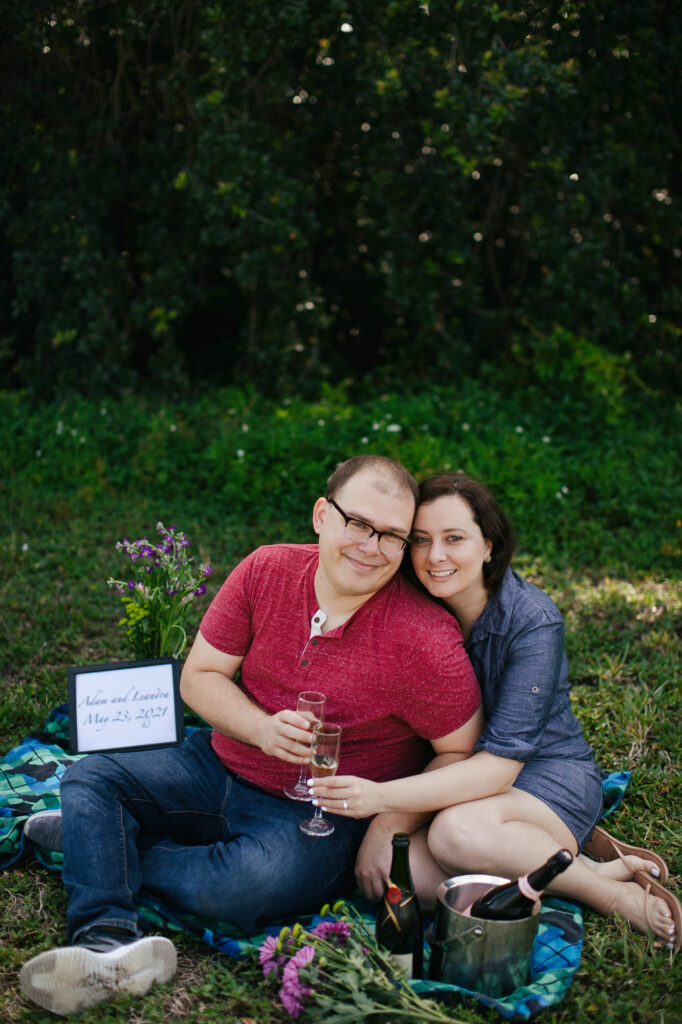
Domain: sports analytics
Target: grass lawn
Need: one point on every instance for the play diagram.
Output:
(593, 486)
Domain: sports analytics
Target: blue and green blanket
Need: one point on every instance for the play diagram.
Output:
(30, 775)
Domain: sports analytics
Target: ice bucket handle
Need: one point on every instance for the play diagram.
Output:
(449, 943)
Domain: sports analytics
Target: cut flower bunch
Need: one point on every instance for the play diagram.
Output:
(158, 593)
(335, 972)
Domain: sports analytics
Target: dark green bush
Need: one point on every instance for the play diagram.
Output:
(286, 192)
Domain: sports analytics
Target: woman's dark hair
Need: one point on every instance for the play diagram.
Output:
(487, 514)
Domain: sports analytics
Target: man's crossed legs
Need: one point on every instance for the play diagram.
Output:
(176, 825)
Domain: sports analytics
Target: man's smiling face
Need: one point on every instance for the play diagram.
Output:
(357, 568)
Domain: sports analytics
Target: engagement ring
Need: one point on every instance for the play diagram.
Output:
(345, 804)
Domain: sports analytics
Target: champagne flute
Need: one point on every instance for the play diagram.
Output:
(311, 705)
(324, 760)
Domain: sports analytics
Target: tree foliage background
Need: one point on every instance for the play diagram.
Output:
(288, 191)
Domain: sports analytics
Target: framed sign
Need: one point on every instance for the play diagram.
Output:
(129, 705)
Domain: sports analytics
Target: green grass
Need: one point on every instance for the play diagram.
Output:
(592, 484)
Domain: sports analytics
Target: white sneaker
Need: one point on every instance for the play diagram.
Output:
(44, 828)
(71, 979)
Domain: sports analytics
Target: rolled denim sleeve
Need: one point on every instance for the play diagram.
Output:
(524, 695)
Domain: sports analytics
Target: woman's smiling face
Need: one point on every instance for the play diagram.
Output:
(448, 551)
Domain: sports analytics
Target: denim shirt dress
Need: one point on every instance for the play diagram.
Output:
(516, 648)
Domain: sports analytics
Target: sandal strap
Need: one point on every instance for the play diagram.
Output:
(653, 888)
(647, 892)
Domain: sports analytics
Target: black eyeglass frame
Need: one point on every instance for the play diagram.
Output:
(379, 533)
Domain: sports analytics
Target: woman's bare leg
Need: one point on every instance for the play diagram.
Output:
(513, 833)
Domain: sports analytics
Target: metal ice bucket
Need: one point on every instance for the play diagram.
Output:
(492, 957)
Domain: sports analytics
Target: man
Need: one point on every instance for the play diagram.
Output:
(205, 827)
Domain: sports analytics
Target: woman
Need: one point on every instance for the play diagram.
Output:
(532, 785)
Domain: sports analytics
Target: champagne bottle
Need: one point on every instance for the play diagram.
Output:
(514, 900)
(399, 920)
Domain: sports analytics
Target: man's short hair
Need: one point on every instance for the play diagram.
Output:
(385, 469)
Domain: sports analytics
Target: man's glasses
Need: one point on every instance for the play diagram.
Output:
(355, 529)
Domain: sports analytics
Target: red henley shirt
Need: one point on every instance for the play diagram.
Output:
(395, 674)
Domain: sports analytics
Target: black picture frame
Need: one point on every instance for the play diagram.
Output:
(125, 705)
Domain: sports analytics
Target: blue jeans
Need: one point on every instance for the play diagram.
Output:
(175, 824)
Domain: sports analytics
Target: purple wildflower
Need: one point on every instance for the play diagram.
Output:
(293, 992)
(290, 1003)
(333, 929)
(201, 589)
(131, 584)
(207, 570)
(270, 959)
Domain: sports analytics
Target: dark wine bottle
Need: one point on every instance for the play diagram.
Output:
(514, 900)
(399, 926)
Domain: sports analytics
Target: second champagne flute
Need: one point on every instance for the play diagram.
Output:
(324, 760)
(311, 704)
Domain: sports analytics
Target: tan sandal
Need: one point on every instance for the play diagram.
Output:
(603, 847)
(653, 888)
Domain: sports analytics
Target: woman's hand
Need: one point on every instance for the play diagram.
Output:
(348, 795)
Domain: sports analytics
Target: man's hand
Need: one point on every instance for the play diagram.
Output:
(286, 735)
(373, 862)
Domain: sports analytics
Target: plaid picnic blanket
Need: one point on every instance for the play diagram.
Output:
(30, 775)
